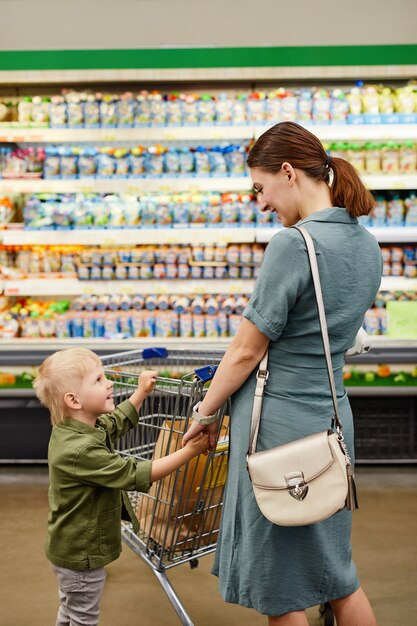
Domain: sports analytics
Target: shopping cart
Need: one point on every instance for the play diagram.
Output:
(180, 516)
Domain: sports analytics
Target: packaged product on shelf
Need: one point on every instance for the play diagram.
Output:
(201, 161)
(234, 322)
(230, 208)
(199, 325)
(24, 110)
(239, 110)
(228, 305)
(355, 154)
(395, 210)
(372, 158)
(211, 328)
(223, 106)
(246, 208)
(87, 163)
(379, 212)
(256, 104)
(339, 106)
(289, 107)
(371, 322)
(52, 163)
(105, 163)
(40, 110)
(172, 164)
(58, 112)
(206, 110)
(189, 109)
(142, 110)
(185, 325)
(174, 107)
(125, 110)
(92, 111)
(166, 324)
(304, 106)
(121, 163)
(108, 110)
(407, 158)
(180, 304)
(273, 109)
(197, 305)
(75, 110)
(410, 204)
(186, 161)
(218, 161)
(320, 112)
(158, 109)
(390, 158)
(154, 161)
(137, 162)
(222, 324)
(235, 157)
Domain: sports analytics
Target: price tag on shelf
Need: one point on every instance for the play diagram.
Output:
(109, 137)
(87, 290)
(87, 189)
(109, 241)
(127, 289)
(133, 190)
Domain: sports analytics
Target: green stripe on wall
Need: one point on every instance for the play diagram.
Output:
(208, 57)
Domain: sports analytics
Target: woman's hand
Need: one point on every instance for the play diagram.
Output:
(195, 429)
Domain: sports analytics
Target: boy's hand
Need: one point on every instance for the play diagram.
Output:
(146, 381)
(198, 444)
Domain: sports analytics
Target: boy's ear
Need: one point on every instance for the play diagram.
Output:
(71, 401)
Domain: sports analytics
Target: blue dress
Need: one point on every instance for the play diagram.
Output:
(269, 568)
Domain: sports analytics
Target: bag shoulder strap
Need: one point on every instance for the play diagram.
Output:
(262, 374)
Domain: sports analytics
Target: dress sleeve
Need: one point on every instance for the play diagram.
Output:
(283, 276)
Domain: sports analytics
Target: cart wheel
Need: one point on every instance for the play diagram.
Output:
(194, 563)
(326, 614)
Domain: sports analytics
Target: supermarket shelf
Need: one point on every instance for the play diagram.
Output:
(131, 186)
(139, 186)
(382, 391)
(28, 352)
(16, 133)
(74, 287)
(398, 283)
(128, 236)
(31, 351)
(18, 236)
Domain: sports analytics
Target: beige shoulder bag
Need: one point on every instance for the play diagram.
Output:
(309, 479)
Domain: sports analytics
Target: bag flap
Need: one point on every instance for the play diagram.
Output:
(310, 455)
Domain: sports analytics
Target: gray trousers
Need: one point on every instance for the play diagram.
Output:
(79, 596)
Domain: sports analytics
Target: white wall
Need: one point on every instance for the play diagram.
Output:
(87, 24)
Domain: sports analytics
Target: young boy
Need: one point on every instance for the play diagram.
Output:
(86, 475)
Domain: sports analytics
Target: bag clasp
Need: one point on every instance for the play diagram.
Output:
(296, 485)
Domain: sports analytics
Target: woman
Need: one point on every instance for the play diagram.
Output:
(281, 571)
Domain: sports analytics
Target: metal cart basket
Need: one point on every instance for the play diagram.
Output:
(179, 518)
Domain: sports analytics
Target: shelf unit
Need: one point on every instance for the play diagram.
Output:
(398, 407)
(69, 286)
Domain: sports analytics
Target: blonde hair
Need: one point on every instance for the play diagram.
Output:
(61, 373)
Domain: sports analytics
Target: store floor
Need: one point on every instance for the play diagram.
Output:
(384, 544)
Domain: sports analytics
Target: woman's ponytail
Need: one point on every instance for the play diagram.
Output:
(348, 191)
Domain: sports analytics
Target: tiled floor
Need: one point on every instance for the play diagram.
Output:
(384, 544)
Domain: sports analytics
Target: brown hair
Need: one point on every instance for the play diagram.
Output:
(61, 373)
(291, 142)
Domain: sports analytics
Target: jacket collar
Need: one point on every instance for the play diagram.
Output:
(334, 215)
(69, 423)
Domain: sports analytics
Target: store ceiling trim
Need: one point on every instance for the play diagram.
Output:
(294, 56)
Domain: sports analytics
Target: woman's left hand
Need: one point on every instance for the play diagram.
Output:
(195, 428)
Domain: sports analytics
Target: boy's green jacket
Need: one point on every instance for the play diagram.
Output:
(86, 477)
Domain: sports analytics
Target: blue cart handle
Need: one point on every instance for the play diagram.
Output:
(154, 353)
(205, 373)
